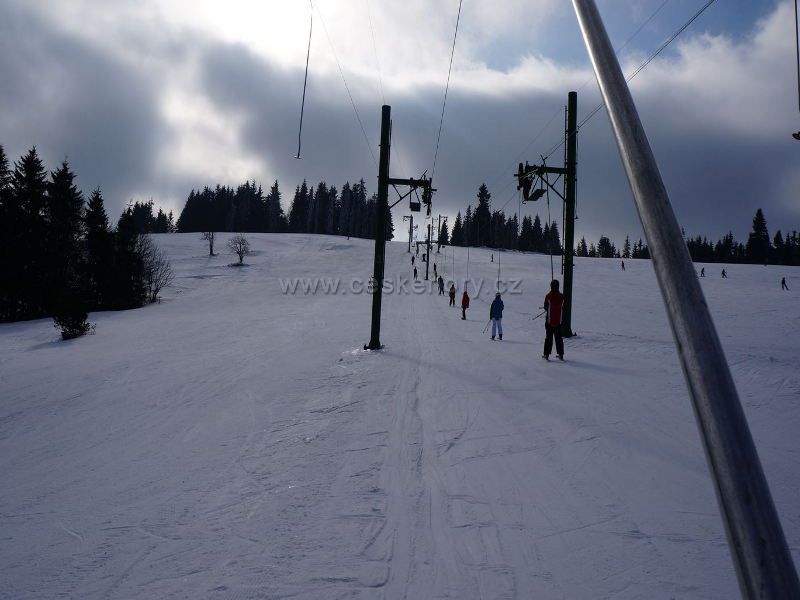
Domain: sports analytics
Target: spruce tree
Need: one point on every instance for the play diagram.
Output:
(555, 239)
(469, 227)
(538, 242)
(626, 248)
(64, 232)
(276, 220)
(758, 246)
(482, 217)
(444, 235)
(526, 235)
(582, 250)
(457, 239)
(298, 210)
(9, 225)
(28, 281)
(99, 248)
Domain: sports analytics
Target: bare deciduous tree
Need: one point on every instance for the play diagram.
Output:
(157, 269)
(239, 245)
(209, 236)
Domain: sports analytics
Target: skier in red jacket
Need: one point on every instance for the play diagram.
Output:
(554, 309)
(464, 305)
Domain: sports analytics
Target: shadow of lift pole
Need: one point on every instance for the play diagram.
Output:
(381, 214)
(764, 566)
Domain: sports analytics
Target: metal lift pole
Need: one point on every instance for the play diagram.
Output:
(764, 566)
(569, 208)
(380, 228)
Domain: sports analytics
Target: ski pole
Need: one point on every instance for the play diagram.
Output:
(539, 315)
(487, 325)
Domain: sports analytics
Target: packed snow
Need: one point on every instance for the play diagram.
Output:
(236, 441)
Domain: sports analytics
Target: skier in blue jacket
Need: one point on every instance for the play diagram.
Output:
(496, 316)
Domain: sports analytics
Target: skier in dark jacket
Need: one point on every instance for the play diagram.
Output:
(441, 286)
(496, 315)
(415, 273)
(724, 274)
(783, 284)
(452, 294)
(554, 308)
(464, 305)
(412, 260)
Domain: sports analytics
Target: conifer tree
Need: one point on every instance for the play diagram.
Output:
(276, 220)
(9, 225)
(469, 227)
(555, 239)
(298, 212)
(28, 283)
(538, 242)
(758, 245)
(64, 231)
(482, 217)
(457, 239)
(99, 247)
(444, 235)
(526, 235)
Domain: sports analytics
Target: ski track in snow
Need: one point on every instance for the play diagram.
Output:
(234, 442)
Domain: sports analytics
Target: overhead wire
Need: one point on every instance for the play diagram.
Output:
(346, 87)
(640, 68)
(375, 52)
(305, 83)
(446, 89)
(797, 50)
(584, 84)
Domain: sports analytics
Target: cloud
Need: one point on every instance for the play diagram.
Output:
(151, 99)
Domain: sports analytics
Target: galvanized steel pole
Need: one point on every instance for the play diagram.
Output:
(763, 563)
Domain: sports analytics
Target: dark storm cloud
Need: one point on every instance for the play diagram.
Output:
(267, 100)
(71, 98)
(75, 101)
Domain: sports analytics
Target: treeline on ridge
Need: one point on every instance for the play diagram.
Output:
(247, 209)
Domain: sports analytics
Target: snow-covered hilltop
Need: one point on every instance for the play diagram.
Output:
(235, 441)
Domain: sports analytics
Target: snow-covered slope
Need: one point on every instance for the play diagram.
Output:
(235, 441)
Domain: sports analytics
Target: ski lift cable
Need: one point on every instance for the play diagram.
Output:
(375, 52)
(644, 64)
(346, 87)
(587, 82)
(305, 82)
(797, 50)
(446, 88)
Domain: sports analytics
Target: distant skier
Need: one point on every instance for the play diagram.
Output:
(724, 274)
(623, 265)
(434, 270)
(554, 307)
(415, 274)
(464, 305)
(452, 294)
(412, 260)
(492, 258)
(441, 286)
(783, 284)
(703, 272)
(496, 315)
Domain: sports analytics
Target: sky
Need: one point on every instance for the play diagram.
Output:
(150, 99)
